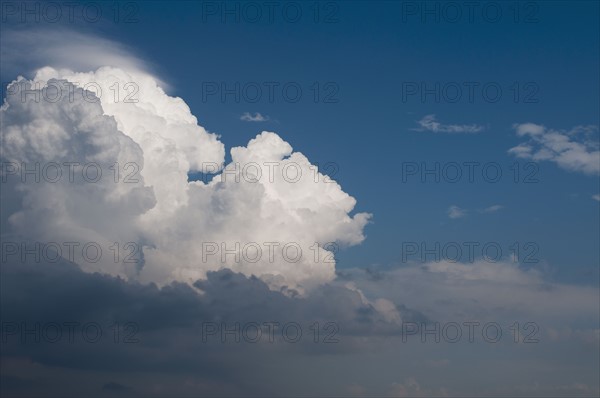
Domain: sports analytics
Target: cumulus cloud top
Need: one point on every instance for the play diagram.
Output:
(269, 213)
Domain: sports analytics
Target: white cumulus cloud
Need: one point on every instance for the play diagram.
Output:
(269, 213)
(573, 150)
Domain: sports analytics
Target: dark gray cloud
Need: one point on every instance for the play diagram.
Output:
(161, 329)
(165, 345)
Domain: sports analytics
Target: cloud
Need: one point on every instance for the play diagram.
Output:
(456, 212)
(484, 289)
(596, 197)
(409, 388)
(120, 114)
(247, 117)
(170, 344)
(170, 291)
(171, 355)
(26, 51)
(574, 150)
(501, 292)
(429, 123)
(271, 216)
(492, 209)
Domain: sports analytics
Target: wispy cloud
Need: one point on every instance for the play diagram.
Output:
(596, 197)
(574, 150)
(492, 209)
(429, 123)
(456, 212)
(62, 48)
(257, 117)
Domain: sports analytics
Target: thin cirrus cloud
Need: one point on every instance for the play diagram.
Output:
(257, 117)
(575, 150)
(455, 212)
(492, 209)
(26, 51)
(429, 123)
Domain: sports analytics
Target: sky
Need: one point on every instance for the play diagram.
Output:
(449, 164)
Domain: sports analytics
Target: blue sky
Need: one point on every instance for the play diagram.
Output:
(370, 54)
(378, 110)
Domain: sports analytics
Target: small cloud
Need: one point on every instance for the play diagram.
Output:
(596, 197)
(428, 123)
(575, 150)
(456, 212)
(528, 129)
(492, 209)
(247, 117)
